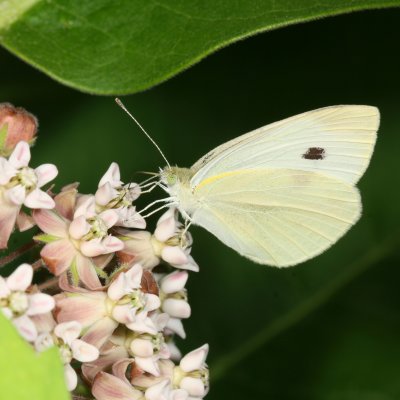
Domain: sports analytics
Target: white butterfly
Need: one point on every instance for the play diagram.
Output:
(285, 192)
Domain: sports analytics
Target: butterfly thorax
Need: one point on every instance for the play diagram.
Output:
(177, 182)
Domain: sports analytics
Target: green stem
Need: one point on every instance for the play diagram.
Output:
(318, 299)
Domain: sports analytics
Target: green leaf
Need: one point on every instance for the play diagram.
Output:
(25, 374)
(108, 47)
(3, 136)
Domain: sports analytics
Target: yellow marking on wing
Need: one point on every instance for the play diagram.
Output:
(220, 176)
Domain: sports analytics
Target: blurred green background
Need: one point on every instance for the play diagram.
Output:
(327, 329)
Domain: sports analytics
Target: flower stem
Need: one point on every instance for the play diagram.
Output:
(37, 264)
(17, 253)
(49, 284)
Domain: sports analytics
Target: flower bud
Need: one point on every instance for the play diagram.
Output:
(16, 125)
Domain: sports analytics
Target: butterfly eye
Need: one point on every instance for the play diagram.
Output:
(171, 179)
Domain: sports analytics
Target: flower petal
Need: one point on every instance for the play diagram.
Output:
(142, 324)
(83, 351)
(65, 202)
(194, 386)
(105, 194)
(100, 332)
(118, 288)
(25, 327)
(58, 255)
(86, 206)
(175, 325)
(92, 248)
(43, 342)
(21, 278)
(134, 276)
(4, 290)
(112, 176)
(16, 195)
(130, 218)
(109, 387)
(45, 173)
(7, 171)
(159, 391)
(195, 359)
(174, 282)
(68, 331)
(124, 313)
(8, 216)
(148, 364)
(152, 302)
(71, 378)
(112, 244)
(39, 199)
(79, 227)
(141, 348)
(174, 255)
(177, 308)
(40, 303)
(166, 228)
(24, 221)
(86, 308)
(104, 362)
(21, 155)
(109, 217)
(87, 272)
(51, 223)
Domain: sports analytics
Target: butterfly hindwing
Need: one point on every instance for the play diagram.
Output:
(278, 217)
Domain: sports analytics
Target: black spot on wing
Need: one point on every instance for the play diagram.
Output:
(314, 153)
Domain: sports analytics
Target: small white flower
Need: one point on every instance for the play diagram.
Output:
(164, 391)
(132, 304)
(168, 243)
(113, 194)
(192, 373)
(18, 305)
(65, 337)
(147, 350)
(22, 184)
(91, 229)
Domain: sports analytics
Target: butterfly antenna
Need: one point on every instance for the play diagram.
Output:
(119, 102)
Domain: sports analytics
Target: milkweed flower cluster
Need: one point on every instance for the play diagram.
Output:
(118, 296)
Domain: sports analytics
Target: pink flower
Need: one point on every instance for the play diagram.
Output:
(20, 185)
(65, 337)
(192, 373)
(99, 312)
(113, 194)
(188, 380)
(19, 305)
(77, 237)
(132, 305)
(168, 243)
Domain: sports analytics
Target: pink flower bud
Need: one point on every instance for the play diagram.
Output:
(18, 124)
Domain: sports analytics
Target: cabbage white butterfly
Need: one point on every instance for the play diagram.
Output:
(283, 193)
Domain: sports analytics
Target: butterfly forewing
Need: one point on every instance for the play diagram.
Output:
(337, 141)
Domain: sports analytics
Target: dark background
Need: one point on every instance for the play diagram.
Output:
(328, 329)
